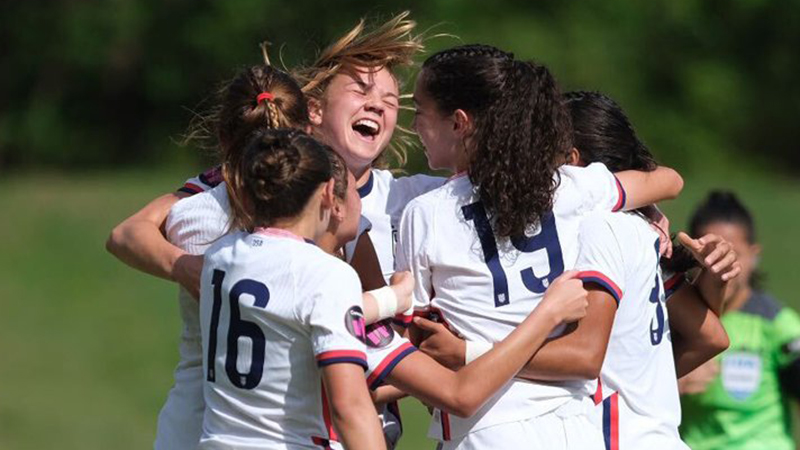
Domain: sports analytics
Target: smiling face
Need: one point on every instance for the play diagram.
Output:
(437, 131)
(358, 115)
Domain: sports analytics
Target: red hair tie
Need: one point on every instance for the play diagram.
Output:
(264, 96)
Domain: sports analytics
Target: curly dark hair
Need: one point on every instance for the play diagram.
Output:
(522, 129)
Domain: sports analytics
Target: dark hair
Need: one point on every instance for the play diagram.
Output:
(723, 206)
(602, 133)
(280, 171)
(522, 129)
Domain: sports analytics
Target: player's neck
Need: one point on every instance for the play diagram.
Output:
(304, 227)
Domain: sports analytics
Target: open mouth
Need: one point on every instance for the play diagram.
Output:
(367, 128)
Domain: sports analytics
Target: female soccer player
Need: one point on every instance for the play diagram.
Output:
(354, 109)
(741, 399)
(291, 313)
(647, 335)
(486, 245)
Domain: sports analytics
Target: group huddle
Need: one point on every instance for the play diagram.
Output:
(533, 299)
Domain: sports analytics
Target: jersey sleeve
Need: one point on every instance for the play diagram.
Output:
(336, 319)
(787, 336)
(385, 349)
(599, 188)
(196, 222)
(414, 240)
(600, 258)
(205, 181)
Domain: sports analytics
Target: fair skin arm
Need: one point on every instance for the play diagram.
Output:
(648, 188)
(463, 392)
(576, 355)
(352, 411)
(139, 242)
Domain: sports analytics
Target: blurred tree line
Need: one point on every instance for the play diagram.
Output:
(107, 83)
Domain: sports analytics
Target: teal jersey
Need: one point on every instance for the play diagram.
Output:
(744, 407)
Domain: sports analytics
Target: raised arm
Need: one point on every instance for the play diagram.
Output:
(647, 188)
(352, 410)
(139, 242)
(464, 392)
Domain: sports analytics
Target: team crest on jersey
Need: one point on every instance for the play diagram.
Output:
(354, 322)
(379, 334)
(741, 374)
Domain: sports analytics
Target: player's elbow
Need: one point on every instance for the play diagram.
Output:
(718, 342)
(589, 363)
(675, 183)
(116, 240)
(350, 409)
(464, 407)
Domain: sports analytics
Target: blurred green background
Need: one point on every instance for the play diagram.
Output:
(94, 96)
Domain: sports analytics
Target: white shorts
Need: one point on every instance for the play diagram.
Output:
(567, 428)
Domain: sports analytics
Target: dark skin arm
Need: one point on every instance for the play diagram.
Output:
(366, 264)
(579, 354)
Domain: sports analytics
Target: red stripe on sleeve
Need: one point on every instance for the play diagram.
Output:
(592, 276)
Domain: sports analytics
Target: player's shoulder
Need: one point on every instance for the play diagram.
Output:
(212, 199)
(763, 305)
(575, 174)
(222, 248)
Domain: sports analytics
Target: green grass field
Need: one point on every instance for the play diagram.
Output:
(88, 345)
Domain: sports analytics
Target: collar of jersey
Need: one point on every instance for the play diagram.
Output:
(280, 232)
(457, 175)
(364, 190)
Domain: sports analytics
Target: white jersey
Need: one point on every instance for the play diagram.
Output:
(483, 291)
(194, 223)
(638, 389)
(383, 199)
(274, 309)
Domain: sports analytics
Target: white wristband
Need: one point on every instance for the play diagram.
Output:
(475, 349)
(386, 300)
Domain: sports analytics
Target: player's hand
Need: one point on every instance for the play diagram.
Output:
(186, 272)
(440, 344)
(402, 283)
(697, 381)
(660, 224)
(566, 298)
(715, 255)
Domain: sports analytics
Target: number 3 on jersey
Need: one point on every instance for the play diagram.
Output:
(237, 328)
(546, 239)
(658, 322)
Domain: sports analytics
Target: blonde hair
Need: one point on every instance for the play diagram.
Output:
(389, 45)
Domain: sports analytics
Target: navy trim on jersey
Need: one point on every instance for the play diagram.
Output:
(391, 361)
(364, 190)
(603, 281)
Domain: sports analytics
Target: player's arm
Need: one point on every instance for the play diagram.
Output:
(697, 333)
(380, 301)
(647, 188)
(578, 354)
(465, 391)
(387, 394)
(352, 411)
(719, 266)
(139, 242)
